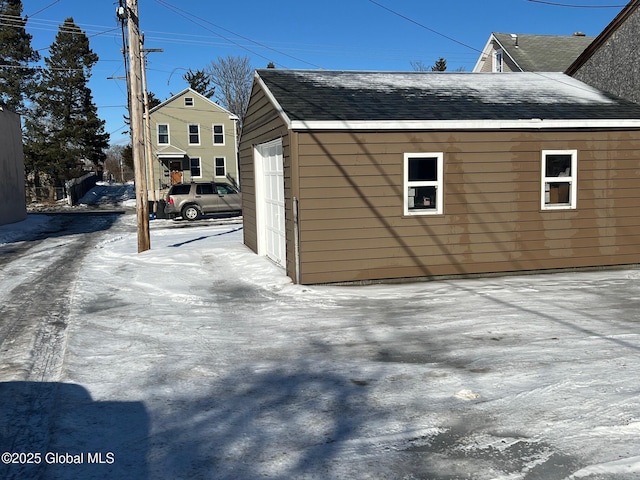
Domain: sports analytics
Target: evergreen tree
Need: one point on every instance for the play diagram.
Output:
(63, 128)
(440, 65)
(16, 77)
(200, 82)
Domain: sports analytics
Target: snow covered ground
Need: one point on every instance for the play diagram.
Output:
(199, 359)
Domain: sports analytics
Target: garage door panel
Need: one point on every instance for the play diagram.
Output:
(273, 223)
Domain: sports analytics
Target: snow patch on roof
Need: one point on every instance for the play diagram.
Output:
(488, 88)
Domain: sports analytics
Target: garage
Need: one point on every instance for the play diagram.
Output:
(270, 201)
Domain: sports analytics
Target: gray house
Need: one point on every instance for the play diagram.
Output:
(611, 62)
(12, 189)
(511, 52)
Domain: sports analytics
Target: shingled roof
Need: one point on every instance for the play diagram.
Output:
(542, 53)
(427, 99)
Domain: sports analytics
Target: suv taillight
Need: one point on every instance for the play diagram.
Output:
(170, 202)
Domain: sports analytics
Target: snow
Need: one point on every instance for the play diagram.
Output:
(211, 363)
(525, 87)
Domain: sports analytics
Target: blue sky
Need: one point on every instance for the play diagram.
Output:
(332, 34)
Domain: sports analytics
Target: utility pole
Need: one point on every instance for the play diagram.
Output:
(137, 125)
(147, 122)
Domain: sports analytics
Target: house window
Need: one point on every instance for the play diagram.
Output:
(194, 134)
(218, 134)
(423, 177)
(196, 168)
(497, 61)
(559, 179)
(188, 101)
(221, 166)
(163, 134)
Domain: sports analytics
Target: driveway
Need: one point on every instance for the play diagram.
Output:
(199, 359)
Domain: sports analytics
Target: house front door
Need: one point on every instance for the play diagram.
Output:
(176, 171)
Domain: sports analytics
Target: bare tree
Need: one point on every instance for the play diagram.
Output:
(232, 77)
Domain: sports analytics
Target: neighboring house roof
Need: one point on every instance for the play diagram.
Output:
(537, 53)
(418, 100)
(195, 94)
(603, 37)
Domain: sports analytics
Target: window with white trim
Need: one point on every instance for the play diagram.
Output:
(497, 61)
(559, 179)
(163, 134)
(423, 183)
(194, 134)
(220, 166)
(218, 134)
(196, 167)
(188, 101)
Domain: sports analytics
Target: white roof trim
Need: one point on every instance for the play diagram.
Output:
(534, 123)
(273, 100)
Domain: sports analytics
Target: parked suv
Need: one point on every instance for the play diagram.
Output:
(192, 200)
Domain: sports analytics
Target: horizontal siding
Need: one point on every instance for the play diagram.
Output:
(262, 124)
(352, 226)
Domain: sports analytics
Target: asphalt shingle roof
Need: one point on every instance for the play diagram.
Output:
(306, 95)
(543, 53)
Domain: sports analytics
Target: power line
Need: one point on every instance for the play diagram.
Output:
(424, 26)
(178, 10)
(44, 8)
(554, 4)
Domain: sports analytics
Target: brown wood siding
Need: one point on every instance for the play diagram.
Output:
(352, 226)
(262, 125)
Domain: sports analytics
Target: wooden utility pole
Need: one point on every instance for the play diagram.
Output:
(137, 125)
(148, 151)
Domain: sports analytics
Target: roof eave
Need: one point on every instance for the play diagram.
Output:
(273, 100)
(534, 123)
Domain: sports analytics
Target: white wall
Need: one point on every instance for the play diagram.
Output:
(12, 191)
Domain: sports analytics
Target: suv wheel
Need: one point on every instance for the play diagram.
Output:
(191, 212)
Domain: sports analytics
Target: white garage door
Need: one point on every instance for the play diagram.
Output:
(270, 198)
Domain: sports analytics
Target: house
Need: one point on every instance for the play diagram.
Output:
(193, 138)
(12, 186)
(610, 63)
(510, 52)
(365, 176)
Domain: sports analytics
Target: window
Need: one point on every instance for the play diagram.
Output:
(218, 134)
(559, 179)
(196, 170)
(194, 134)
(163, 134)
(225, 189)
(423, 183)
(221, 166)
(188, 101)
(497, 61)
(205, 189)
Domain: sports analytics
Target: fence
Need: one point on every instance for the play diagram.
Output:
(77, 187)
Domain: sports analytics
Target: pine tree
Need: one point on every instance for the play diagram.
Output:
(16, 77)
(200, 82)
(63, 128)
(440, 65)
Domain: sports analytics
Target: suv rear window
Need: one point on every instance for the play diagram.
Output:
(180, 190)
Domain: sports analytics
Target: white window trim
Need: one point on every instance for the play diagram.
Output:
(189, 133)
(215, 166)
(199, 163)
(193, 103)
(572, 180)
(498, 61)
(439, 183)
(213, 135)
(158, 134)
